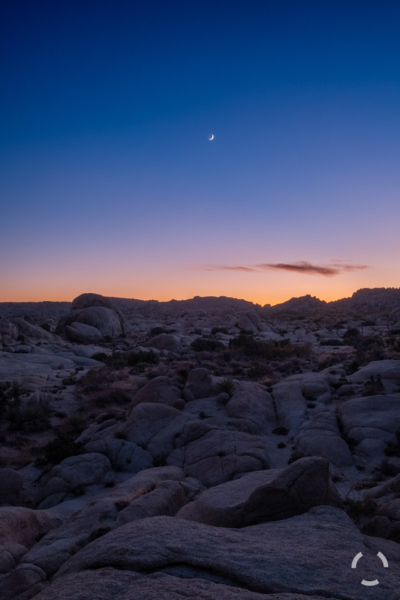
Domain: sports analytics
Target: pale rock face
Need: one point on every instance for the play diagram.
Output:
(101, 318)
(387, 370)
(379, 413)
(159, 390)
(250, 402)
(95, 311)
(124, 456)
(154, 427)
(79, 332)
(33, 332)
(164, 341)
(229, 517)
(305, 553)
(19, 529)
(200, 383)
(321, 437)
(126, 585)
(158, 491)
(71, 473)
(264, 496)
(215, 456)
(8, 330)
(89, 299)
(246, 324)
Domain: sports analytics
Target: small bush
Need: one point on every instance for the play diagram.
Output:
(227, 386)
(360, 508)
(62, 447)
(100, 356)
(207, 345)
(157, 330)
(16, 390)
(373, 387)
(76, 422)
(246, 345)
(29, 419)
(259, 370)
(149, 357)
(70, 380)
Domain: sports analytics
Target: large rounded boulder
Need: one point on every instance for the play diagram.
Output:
(92, 318)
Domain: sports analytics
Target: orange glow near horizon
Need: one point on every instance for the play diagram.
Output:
(259, 288)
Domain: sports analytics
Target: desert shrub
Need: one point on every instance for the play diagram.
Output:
(62, 447)
(70, 380)
(96, 379)
(359, 508)
(207, 345)
(259, 370)
(332, 342)
(351, 335)
(157, 330)
(120, 360)
(100, 356)
(29, 419)
(227, 386)
(149, 357)
(76, 422)
(373, 386)
(215, 330)
(16, 390)
(274, 350)
(111, 396)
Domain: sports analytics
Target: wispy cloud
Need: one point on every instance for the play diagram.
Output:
(227, 268)
(302, 267)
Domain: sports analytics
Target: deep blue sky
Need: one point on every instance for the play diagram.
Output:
(108, 181)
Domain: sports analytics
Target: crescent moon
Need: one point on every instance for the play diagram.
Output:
(211, 138)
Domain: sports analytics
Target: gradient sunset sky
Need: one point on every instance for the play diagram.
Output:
(109, 183)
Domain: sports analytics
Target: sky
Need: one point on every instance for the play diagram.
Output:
(109, 182)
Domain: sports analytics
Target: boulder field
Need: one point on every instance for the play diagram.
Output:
(208, 448)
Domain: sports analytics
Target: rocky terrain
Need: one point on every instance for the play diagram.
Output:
(208, 448)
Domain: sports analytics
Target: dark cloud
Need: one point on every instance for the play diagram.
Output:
(335, 268)
(310, 269)
(303, 267)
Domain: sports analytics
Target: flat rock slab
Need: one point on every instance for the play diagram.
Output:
(309, 554)
(107, 583)
(379, 413)
(320, 436)
(31, 368)
(264, 496)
